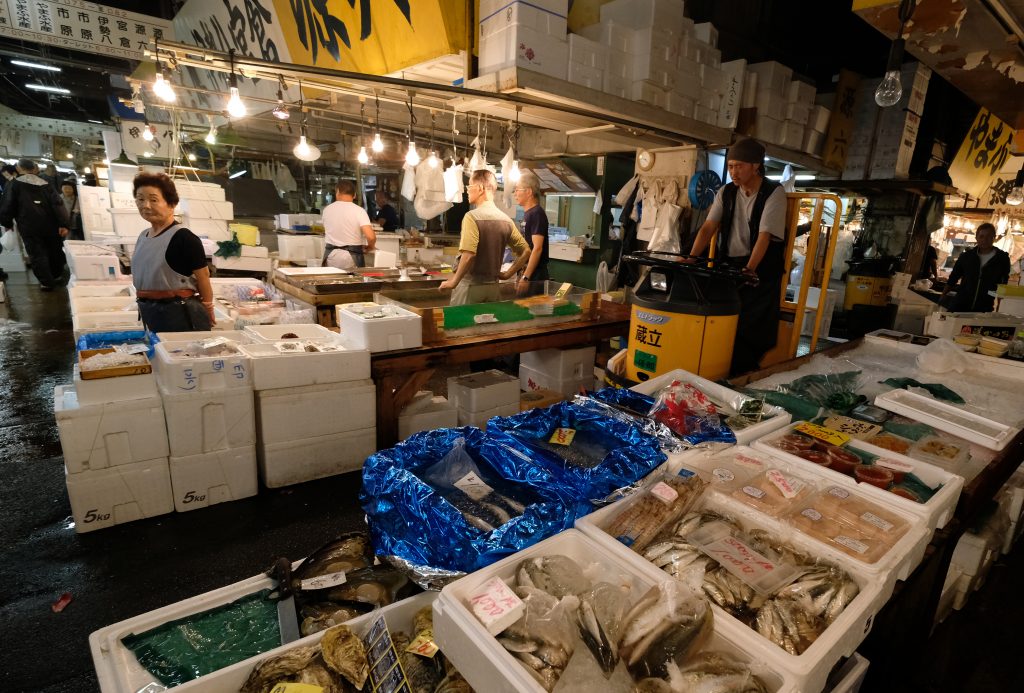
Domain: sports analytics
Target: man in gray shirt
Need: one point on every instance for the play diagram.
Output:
(749, 218)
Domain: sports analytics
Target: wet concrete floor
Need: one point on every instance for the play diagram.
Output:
(120, 572)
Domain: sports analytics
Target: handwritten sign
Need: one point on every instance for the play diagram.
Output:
(982, 154)
(840, 127)
(496, 606)
(822, 433)
(563, 436)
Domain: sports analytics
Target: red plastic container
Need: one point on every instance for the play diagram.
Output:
(870, 474)
(843, 460)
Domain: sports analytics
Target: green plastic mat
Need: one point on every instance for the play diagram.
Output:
(460, 317)
(183, 650)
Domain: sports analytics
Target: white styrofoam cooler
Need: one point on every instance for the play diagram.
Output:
(530, 379)
(297, 248)
(106, 435)
(480, 418)
(721, 396)
(268, 334)
(809, 670)
(296, 461)
(398, 329)
(199, 422)
(937, 511)
(214, 229)
(562, 364)
(483, 391)
(487, 666)
(127, 222)
(93, 267)
(197, 208)
(298, 413)
(106, 390)
(202, 374)
(105, 321)
(106, 497)
(206, 479)
(272, 370)
(438, 414)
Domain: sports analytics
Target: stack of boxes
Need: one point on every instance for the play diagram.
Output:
(204, 209)
(426, 412)
(480, 396)
(564, 371)
(530, 35)
(115, 449)
(884, 138)
(316, 412)
(817, 128)
(211, 428)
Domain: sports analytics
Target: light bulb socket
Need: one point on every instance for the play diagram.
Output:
(895, 61)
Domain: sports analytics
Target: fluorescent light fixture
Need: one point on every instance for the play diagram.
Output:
(48, 89)
(98, 122)
(240, 173)
(799, 176)
(35, 66)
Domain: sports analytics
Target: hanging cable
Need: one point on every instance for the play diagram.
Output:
(890, 90)
(362, 157)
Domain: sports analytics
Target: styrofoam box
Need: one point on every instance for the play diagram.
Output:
(105, 390)
(772, 76)
(106, 435)
(214, 229)
(483, 391)
(272, 370)
(851, 675)
(819, 119)
(115, 495)
(936, 512)
(199, 190)
(93, 267)
(813, 141)
(638, 14)
(112, 289)
(295, 413)
(245, 264)
(199, 422)
(588, 52)
(103, 304)
(706, 32)
(297, 248)
(801, 92)
(398, 329)
(480, 418)
(560, 363)
(809, 670)
(487, 666)
(179, 374)
(106, 320)
(523, 47)
(438, 414)
(95, 203)
(296, 461)
(268, 334)
(530, 379)
(197, 208)
(615, 35)
(545, 16)
(946, 417)
(127, 221)
(791, 135)
(202, 480)
(724, 398)
(586, 76)
(798, 113)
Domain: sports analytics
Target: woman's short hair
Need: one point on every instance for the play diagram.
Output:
(161, 181)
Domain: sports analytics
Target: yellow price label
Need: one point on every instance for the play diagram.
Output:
(563, 436)
(822, 433)
(296, 688)
(563, 290)
(424, 644)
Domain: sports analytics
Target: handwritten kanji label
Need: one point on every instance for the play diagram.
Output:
(473, 486)
(822, 433)
(563, 436)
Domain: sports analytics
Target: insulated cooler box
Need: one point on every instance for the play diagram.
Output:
(115, 495)
(296, 461)
(201, 422)
(300, 413)
(215, 477)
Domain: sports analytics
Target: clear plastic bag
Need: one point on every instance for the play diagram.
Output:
(543, 639)
(836, 390)
(690, 414)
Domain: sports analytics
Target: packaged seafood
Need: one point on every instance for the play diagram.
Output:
(661, 502)
(727, 469)
(627, 631)
(945, 451)
(774, 491)
(890, 442)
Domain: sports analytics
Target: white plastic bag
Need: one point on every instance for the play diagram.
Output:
(9, 240)
(942, 356)
(666, 225)
(409, 182)
(430, 192)
(651, 191)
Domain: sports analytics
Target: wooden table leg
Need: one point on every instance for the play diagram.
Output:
(394, 392)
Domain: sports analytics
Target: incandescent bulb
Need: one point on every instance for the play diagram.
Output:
(236, 109)
(513, 173)
(890, 90)
(412, 157)
(362, 157)
(191, 156)
(211, 136)
(147, 133)
(378, 144)
(302, 148)
(163, 89)
(1015, 196)
(281, 111)
(87, 169)
(432, 160)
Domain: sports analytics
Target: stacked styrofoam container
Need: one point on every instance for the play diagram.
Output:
(94, 203)
(377, 327)
(290, 221)
(211, 428)
(316, 412)
(299, 248)
(426, 412)
(115, 448)
(1011, 504)
(771, 99)
(875, 580)
(203, 209)
(562, 370)
(487, 666)
(480, 396)
(817, 127)
(588, 62)
(530, 35)
(109, 312)
(973, 557)
(89, 261)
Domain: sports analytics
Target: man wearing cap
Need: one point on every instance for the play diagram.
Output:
(749, 216)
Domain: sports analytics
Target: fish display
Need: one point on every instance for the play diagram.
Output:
(337, 664)
(668, 624)
(661, 503)
(425, 673)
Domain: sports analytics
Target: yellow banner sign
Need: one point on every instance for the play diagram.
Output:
(374, 37)
(981, 156)
(840, 127)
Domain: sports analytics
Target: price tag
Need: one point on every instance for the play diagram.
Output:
(321, 582)
(748, 461)
(386, 674)
(496, 606)
(563, 290)
(296, 688)
(822, 433)
(788, 486)
(852, 544)
(665, 493)
(894, 465)
(811, 514)
(838, 492)
(473, 486)
(753, 492)
(852, 427)
(739, 559)
(722, 474)
(424, 645)
(137, 349)
(563, 436)
(877, 521)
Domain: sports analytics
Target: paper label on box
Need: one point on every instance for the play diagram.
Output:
(563, 290)
(324, 581)
(894, 465)
(722, 474)
(386, 675)
(494, 601)
(852, 427)
(789, 487)
(665, 493)
(875, 520)
(753, 492)
(851, 543)
(739, 559)
(473, 486)
(136, 349)
(563, 436)
(748, 461)
(424, 645)
(822, 433)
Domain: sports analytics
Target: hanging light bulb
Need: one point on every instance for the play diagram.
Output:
(301, 150)
(87, 169)
(432, 160)
(192, 156)
(890, 91)
(163, 89)
(280, 110)
(211, 136)
(235, 107)
(147, 131)
(362, 157)
(514, 174)
(412, 157)
(1015, 196)
(378, 144)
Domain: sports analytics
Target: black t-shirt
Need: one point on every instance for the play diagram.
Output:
(389, 216)
(535, 223)
(185, 253)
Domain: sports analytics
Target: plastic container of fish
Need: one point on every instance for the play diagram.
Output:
(487, 666)
(722, 396)
(274, 369)
(936, 511)
(809, 670)
(945, 417)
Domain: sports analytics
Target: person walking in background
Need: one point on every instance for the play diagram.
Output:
(7, 174)
(69, 196)
(42, 222)
(386, 215)
(977, 271)
(346, 226)
(535, 231)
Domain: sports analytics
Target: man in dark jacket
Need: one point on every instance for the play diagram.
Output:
(41, 220)
(978, 271)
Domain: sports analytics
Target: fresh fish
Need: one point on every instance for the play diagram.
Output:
(715, 672)
(422, 675)
(378, 585)
(344, 654)
(784, 622)
(595, 637)
(557, 575)
(286, 665)
(667, 624)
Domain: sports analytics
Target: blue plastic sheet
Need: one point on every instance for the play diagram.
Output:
(102, 340)
(412, 520)
(699, 429)
(602, 455)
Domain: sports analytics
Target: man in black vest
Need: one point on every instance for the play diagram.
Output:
(749, 216)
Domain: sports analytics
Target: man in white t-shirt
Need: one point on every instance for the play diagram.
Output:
(346, 225)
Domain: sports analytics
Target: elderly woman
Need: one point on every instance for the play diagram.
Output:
(169, 269)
